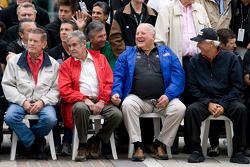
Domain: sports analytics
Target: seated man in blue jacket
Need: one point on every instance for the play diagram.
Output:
(149, 78)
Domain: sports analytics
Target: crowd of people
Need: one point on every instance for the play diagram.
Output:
(183, 59)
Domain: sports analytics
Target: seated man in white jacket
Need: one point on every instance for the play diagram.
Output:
(30, 85)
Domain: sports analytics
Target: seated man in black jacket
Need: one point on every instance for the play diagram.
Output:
(215, 82)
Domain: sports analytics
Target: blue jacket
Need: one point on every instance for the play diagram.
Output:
(173, 73)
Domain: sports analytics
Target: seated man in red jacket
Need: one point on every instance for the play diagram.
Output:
(85, 82)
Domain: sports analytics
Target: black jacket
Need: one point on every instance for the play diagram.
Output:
(16, 46)
(236, 21)
(124, 27)
(53, 32)
(59, 53)
(219, 82)
(9, 16)
(12, 33)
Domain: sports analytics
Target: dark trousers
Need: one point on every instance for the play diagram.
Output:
(198, 112)
(214, 132)
(112, 119)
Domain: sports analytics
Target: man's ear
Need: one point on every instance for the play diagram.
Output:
(106, 17)
(44, 44)
(20, 34)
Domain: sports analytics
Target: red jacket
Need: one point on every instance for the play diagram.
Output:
(69, 75)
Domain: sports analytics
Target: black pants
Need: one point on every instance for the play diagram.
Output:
(198, 112)
(214, 132)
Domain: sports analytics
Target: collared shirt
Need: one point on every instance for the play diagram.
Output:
(188, 31)
(35, 66)
(148, 75)
(88, 82)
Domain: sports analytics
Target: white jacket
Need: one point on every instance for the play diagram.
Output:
(168, 25)
(18, 83)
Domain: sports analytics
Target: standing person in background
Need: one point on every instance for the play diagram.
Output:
(219, 12)
(65, 12)
(125, 22)
(9, 14)
(158, 4)
(240, 25)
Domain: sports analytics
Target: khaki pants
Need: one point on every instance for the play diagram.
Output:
(112, 119)
(133, 107)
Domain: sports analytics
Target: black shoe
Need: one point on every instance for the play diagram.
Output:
(214, 151)
(239, 158)
(58, 149)
(93, 147)
(38, 147)
(66, 149)
(247, 152)
(196, 157)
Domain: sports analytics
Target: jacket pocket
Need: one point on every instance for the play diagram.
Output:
(25, 87)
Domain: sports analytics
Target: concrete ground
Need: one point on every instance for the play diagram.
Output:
(179, 160)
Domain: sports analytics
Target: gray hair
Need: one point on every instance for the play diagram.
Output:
(78, 34)
(93, 27)
(149, 26)
(25, 5)
(22, 22)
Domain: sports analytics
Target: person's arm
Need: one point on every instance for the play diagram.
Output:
(236, 83)
(120, 76)
(9, 84)
(194, 88)
(162, 26)
(177, 78)
(52, 96)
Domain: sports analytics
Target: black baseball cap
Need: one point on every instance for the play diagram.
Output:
(204, 34)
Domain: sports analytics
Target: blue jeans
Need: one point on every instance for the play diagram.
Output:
(14, 119)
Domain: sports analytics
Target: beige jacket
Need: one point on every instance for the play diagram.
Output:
(18, 83)
(217, 21)
(168, 25)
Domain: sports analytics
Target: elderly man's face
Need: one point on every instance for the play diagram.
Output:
(76, 48)
(144, 37)
(26, 13)
(205, 48)
(26, 28)
(98, 40)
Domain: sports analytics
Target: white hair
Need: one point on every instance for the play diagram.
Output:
(216, 43)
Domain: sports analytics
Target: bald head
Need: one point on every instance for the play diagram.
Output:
(145, 36)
